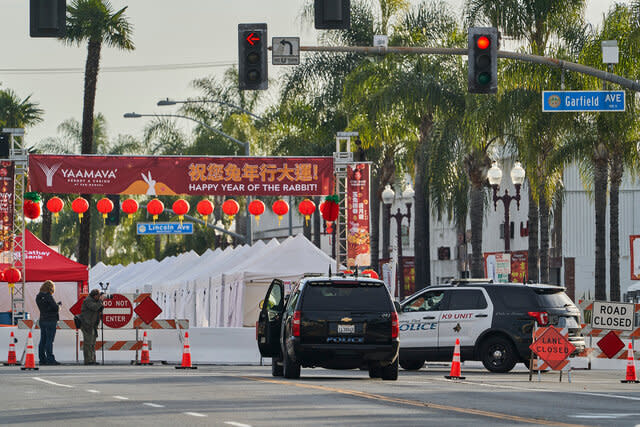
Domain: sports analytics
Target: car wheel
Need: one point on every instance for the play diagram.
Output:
(276, 366)
(498, 354)
(290, 368)
(375, 372)
(390, 372)
(411, 364)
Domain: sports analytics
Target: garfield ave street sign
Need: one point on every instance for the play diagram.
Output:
(582, 100)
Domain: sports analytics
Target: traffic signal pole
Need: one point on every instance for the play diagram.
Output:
(543, 60)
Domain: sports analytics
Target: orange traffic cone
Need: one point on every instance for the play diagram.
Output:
(11, 358)
(631, 367)
(186, 354)
(144, 357)
(30, 358)
(455, 364)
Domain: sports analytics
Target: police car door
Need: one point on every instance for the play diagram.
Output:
(419, 320)
(270, 320)
(468, 313)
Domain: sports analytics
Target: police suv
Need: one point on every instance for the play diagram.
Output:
(494, 322)
(333, 322)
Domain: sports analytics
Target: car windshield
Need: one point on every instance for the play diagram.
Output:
(554, 299)
(349, 297)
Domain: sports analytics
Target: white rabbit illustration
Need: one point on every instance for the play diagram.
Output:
(151, 191)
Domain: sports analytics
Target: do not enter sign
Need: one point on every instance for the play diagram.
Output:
(118, 312)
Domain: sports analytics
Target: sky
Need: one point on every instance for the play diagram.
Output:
(176, 42)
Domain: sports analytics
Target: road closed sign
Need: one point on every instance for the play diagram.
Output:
(118, 312)
(612, 315)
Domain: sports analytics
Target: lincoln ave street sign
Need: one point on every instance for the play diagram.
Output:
(582, 100)
(164, 228)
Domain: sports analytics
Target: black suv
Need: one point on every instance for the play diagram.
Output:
(494, 322)
(333, 322)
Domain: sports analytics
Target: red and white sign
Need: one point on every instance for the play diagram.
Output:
(118, 312)
(147, 310)
(552, 346)
(155, 175)
(358, 225)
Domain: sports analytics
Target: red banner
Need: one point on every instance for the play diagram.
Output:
(6, 204)
(358, 229)
(229, 176)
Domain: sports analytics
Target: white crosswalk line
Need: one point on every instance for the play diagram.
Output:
(194, 414)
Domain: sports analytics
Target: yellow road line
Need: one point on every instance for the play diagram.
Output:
(417, 403)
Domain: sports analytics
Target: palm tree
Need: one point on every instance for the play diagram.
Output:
(16, 112)
(95, 22)
(536, 23)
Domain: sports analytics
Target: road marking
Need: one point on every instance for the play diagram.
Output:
(614, 396)
(233, 423)
(355, 393)
(194, 414)
(51, 382)
(603, 416)
(120, 397)
(92, 391)
(153, 405)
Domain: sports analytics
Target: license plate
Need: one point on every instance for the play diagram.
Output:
(346, 329)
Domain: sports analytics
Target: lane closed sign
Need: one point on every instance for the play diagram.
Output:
(612, 315)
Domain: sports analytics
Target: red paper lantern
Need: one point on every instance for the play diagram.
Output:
(256, 208)
(155, 207)
(371, 273)
(80, 206)
(55, 205)
(280, 208)
(12, 275)
(230, 207)
(129, 206)
(31, 209)
(329, 210)
(104, 206)
(180, 207)
(307, 208)
(205, 208)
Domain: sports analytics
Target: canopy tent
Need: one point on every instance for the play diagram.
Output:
(43, 263)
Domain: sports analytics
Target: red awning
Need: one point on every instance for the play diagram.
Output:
(43, 263)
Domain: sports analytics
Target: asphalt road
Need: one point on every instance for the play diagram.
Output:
(250, 396)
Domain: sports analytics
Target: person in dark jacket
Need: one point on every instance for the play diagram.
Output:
(90, 317)
(48, 322)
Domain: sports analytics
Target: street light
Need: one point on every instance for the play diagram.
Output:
(388, 196)
(517, 177)
(245, 145)
(165, 102)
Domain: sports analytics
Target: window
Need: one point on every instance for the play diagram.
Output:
(467, 299)
(430, 301)
(346, 297)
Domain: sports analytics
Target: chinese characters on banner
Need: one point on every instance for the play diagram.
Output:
(519, 266)
(240, 176)
(358, 228)
(634, 242)
(6, 205)
(409, 272)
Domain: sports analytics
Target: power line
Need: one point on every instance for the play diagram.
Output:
(120, 69)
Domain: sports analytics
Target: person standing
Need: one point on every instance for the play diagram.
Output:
(48, 321)
(90, 317)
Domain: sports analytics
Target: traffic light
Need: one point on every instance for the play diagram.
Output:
(253, 71)
(113, 217)
(332, 14)
(483, 60)
(5, 145)
(47, 18)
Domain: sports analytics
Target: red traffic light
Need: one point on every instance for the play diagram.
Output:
(483, 42)
(251, 38)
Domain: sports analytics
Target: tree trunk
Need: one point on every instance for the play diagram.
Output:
(422, 215)
(600, 199)
(316, 221)
(532, 255)
(544, 235)
(46, 220)
(157, 244)
(476, 212)
(92, 67)
(617, 169)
